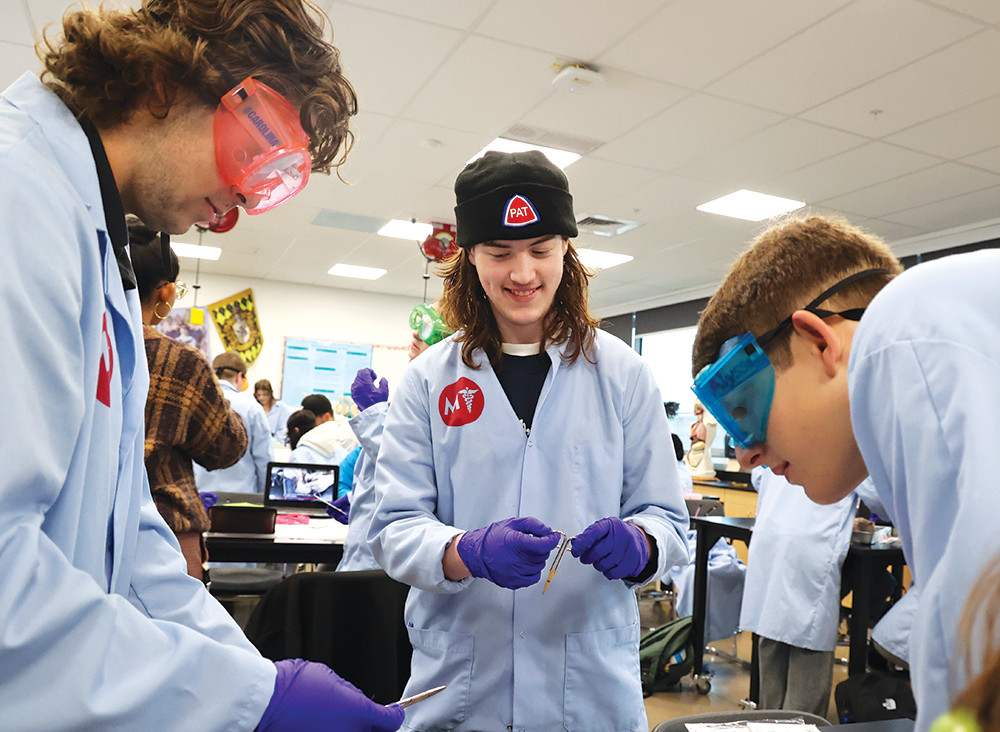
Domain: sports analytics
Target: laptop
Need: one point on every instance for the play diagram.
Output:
(301, 487)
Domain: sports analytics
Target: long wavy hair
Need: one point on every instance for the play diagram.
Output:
(467, 310)
(107, 63)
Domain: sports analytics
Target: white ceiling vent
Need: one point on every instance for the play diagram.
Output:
(605, 225)
(546, 138)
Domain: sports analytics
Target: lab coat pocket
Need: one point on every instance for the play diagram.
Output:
(603, 691)
(440, 658)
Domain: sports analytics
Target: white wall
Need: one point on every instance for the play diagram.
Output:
(308, 311)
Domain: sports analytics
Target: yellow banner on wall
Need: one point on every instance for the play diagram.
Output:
(235, 318)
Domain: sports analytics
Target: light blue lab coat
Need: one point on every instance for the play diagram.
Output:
(924, 379)
(599, 446)
(277, 421)
(100, 625)
(792, 592)
(249, 474)
(368, 427)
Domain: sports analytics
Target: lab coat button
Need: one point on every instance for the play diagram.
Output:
(510, 728)
(530, 443)
(522, 634)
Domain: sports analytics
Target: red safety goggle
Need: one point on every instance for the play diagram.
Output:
(260, 145)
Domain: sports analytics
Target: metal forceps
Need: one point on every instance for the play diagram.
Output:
(563, 546)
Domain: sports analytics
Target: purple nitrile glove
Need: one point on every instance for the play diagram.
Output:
(344, 504)
(616, 548)
(510, 553)
(310, 696)
(209, 499)
(365, 393)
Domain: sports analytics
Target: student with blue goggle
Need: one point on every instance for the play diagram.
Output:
(738, 388)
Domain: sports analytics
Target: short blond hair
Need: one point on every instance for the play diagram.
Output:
(781, 271)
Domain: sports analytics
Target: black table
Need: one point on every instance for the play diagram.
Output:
(859, 568)
(268, 550)
(886, 725)
(709, 530)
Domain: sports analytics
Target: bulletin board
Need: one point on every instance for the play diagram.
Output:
(321, 367)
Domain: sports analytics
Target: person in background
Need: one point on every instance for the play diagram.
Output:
(345, 476)
(373, 400)
(861, 372)
(249, 475)
(330, 441)
(528, 421)
(187, 417)
(683, 472)
(299, 422)
(791, 598)
(102, 627)
(277, 411)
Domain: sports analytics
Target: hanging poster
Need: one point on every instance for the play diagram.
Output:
(322, 367)
(180, 326)
(235, 318)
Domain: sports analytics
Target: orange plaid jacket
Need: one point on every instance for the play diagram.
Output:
(187, 418)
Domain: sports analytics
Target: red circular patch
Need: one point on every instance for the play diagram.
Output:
(461, 403)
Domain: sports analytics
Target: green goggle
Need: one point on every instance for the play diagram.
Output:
(428, 324)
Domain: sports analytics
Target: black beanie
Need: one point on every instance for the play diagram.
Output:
(512, 196)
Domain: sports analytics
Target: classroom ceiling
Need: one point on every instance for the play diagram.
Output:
(886, 111)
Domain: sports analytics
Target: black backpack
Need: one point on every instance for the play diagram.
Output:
(874, 696)
(666, 655)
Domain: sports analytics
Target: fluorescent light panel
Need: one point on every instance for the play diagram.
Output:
(399, 229)
(195, 251)
(560, 158)
(597, 259)
(352, 270)
(750, 206)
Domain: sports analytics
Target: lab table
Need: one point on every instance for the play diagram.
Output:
(860, 566)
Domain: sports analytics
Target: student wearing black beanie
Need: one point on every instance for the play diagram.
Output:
(526, 424)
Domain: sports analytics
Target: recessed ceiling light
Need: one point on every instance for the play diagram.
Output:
(750, 206)
(412, 230)
(361, 273)
(195, 251)
(560, 158)
(601, 260)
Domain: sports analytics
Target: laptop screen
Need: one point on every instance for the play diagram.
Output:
(300, 485)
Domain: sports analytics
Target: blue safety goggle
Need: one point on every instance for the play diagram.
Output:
(738, 388)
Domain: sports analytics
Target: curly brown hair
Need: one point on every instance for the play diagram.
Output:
(109, 62)
(978, 645)
(466, 309)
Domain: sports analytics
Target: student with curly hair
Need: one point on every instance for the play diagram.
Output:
(175, 111)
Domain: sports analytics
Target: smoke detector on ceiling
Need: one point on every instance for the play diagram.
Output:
(578, 79)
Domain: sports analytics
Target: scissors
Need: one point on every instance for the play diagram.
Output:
(417, 697)
(563, 546)
(341, 511)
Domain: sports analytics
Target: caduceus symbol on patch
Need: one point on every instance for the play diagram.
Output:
(467, 395)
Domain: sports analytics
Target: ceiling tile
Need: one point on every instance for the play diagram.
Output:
(16, 60)
(846, 50)
(401, 152)
(484, 87)
(452, 13)
(624, 101)
(889, 230)
(917, 189)
(958, 211)
(988, 159)
(412, 49)
(785, 147)
(575, 29)
(593, 181)
(933, 86)
(696, 126)
(964, 132)
(16, 28)
(849, 171)
(436, 204)
(985, 10)
(692, 42)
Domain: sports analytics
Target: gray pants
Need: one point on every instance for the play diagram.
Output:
(794, 678)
